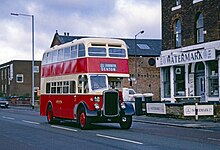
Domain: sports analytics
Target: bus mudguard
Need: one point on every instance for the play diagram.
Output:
(129, 109)
(89, 113)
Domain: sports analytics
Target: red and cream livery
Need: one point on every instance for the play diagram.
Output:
(82, 80)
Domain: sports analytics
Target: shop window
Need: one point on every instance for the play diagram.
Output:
(166, 82)
(213, 79)
(199, 28)
(179, 80)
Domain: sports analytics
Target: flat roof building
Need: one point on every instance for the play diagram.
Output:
(15, 78)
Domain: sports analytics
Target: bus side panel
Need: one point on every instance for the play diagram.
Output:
(43, 105)
(65, 68)
(84, 65)
(56, 105)
(68, 104)
(63, 105)
(119, 66)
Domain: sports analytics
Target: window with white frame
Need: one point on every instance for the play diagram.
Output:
(19, 78)
(166, 82)
(178, 2)
(179, 80)
(2, 74)
(213, 83)
(199, 28)
(177, 33)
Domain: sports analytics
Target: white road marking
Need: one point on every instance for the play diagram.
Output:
(119, 139)
(10, 118)
(31, 122)
(213, 139)
(206, 130)
(59, 127)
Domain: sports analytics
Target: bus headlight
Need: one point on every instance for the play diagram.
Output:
(123, 105)
(97, 99)
(96, 105)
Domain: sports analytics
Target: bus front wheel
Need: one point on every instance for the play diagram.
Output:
(126, 122)
(83, 120)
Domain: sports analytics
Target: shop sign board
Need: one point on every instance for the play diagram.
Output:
(203, 110)
(156, 108)
(176, 58)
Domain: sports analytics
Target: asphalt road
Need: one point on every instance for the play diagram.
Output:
(22, 129)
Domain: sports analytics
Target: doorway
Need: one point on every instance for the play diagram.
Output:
(200, 80)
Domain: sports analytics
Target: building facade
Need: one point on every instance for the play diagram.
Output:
(142, 55)
(189, 61)
(16, 78)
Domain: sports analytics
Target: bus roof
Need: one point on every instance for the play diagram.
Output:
(86, 41)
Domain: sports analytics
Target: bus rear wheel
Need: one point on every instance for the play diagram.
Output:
(50, 117)
(83, 120)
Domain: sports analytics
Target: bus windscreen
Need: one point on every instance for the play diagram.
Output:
(98, 82)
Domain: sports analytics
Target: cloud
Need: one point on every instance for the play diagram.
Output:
(109, 18)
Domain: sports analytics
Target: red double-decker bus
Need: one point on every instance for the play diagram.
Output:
(82, 80)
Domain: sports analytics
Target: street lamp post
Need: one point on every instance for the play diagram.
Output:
(135, 55)
(32, 72)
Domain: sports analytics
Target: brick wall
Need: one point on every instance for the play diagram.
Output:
(148, 77)
(187, 14)
(24, 89)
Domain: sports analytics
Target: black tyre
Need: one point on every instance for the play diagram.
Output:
(50, 116)
(83, 120)
(126, 122)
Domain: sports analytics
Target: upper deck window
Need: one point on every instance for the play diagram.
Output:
(74, 51)
(81, 50)
(96, 51)
(60, 55)
(117, 52)
(67, 53)
(54, 56)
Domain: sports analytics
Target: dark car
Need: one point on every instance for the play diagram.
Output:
(4, 102)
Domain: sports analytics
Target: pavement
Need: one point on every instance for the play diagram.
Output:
(159, 120)
(186, 123)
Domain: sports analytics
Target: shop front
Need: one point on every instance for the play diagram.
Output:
(190, 72)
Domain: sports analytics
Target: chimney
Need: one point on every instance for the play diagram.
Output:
(64, 33)
(68, 33)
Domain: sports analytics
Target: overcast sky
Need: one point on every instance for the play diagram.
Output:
(108, 18)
